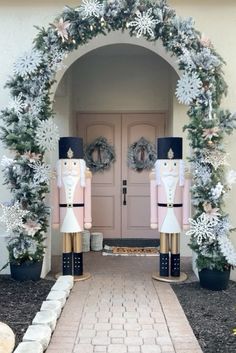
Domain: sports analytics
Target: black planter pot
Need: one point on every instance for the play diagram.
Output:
(214, 279)
(26, 271)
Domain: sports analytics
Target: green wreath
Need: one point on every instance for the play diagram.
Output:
(99, 155)
(141, 155)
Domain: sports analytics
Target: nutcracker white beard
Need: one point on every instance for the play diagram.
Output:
(73, 167)
(178, 170)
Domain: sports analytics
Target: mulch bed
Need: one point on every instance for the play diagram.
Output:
(211, 314)
(20, 301)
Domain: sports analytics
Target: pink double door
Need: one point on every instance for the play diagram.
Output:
(120, 195)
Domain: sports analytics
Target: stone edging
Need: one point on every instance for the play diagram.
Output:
(38, 335)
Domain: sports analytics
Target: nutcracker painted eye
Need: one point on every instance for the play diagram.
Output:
(165, 164)
(75, 163)
(65, 163)
(175, 164)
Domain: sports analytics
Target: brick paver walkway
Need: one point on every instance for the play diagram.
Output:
(122, 313)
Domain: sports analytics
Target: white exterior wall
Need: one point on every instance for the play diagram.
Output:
(216, 19)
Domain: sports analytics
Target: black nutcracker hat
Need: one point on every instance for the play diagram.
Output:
(169, 148)
(71, 147)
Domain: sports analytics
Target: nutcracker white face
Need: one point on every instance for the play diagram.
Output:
(169, 167)
(70, 167)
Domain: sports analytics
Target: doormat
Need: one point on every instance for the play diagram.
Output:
(130, 251)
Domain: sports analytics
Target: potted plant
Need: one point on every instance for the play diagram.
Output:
(210, 228)
(26, 217)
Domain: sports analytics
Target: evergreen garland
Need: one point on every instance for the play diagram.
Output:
(202, 83)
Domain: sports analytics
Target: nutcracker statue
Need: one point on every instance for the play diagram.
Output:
(72, 202)
(170, 205)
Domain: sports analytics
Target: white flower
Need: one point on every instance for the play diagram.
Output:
(231, 178)
(144, 23)
(217, 190)
(188, 88)
(13, 216)
(28, 63)
(6, 162)
(202, 229)
(90, 8)
(47, 135)
(41, 172)
(18, 104)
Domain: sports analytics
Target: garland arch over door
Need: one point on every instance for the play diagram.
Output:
(28, 127)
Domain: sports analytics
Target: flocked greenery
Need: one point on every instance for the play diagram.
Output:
(208, 124)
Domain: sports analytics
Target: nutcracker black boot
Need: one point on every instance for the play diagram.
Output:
(164, 265)
(67, 264)
(175, 265)
(78, 264)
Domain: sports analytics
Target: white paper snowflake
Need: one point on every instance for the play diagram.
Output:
(47, 135)
(202, 229)
(18, 104)
(6, 162)
(188, 88)
(90, 8)
(41, 172)
(227, 249)
(144, 23)
(13, 216)
(28, 63)
(215, 158)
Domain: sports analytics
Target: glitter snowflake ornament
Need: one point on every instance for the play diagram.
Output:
(28, 63)
(188, 88)
(13, 216)
(227, 249)
(47, 135)
(215, 158)
(144, 23)
(202, 229)
(18, 104)
(41, 172)
(90, 8)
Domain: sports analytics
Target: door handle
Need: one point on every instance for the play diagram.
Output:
(124, 191)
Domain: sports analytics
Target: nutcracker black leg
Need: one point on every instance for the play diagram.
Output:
(175, 255)
(78, 254)
(164, 254)
(67, 255)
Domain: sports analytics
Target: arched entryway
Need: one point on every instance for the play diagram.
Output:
(122, 92)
